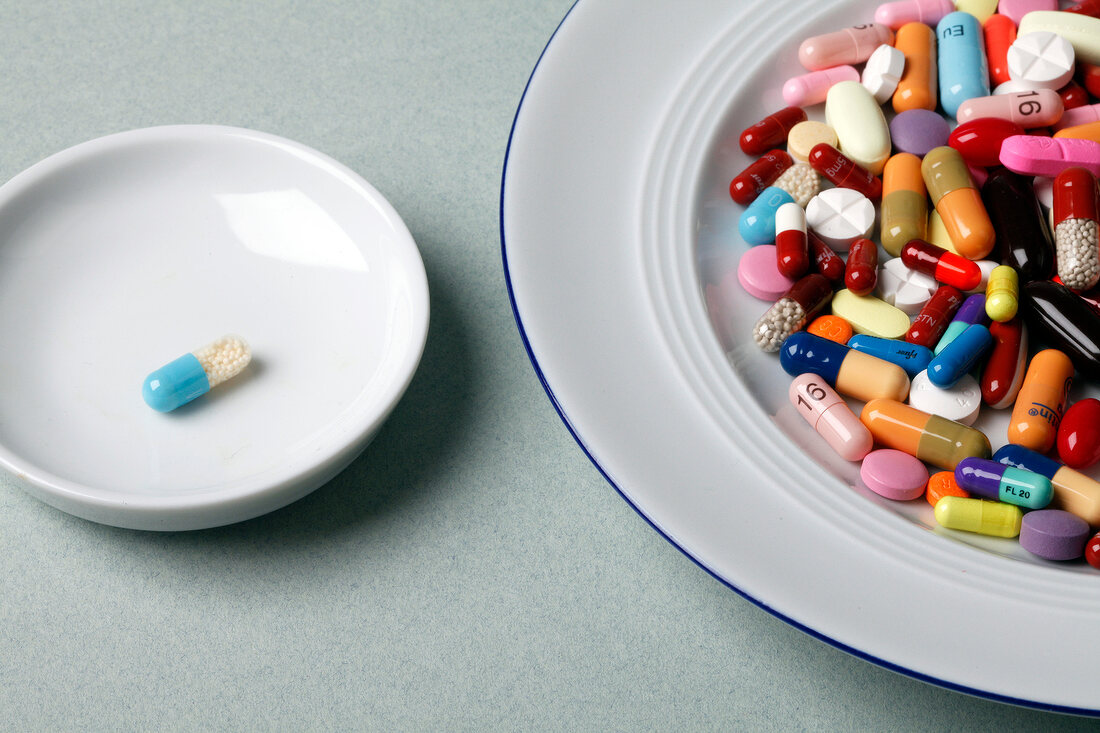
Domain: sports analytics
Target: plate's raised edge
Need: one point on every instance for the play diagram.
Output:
(580, 442)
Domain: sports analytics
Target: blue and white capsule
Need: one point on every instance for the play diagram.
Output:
(194, 374)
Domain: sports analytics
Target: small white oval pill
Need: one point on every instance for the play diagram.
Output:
(840, 216)
(961, 403)
(905, 288)
(1042, 58)
(883, 71)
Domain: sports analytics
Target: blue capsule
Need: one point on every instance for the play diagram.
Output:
(913, 358)
(757, 223)
(970, 312)
(961, 58)
(960, 356)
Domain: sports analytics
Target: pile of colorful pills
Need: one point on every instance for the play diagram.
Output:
(970, 218)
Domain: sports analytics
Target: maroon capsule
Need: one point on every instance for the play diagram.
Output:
(771, 131)
(1004, 370)
(1089, 76)
(861, 271)
(943, 266)
(1073, 95)
(1088, 7)
(759, 175)
(843, 172)
(933, 318)
(828, 262)
(979, 141)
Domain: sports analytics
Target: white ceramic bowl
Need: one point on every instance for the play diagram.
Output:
(122, 253)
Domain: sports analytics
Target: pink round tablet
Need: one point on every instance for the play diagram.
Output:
(893, 474)
(759, 274)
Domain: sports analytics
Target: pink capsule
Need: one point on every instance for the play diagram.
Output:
(929, 12)
(830, 416)
(1078, 116)
(848, 46)
(1030, 109)
(812, 88)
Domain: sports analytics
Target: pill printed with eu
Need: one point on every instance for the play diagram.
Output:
(193, 375)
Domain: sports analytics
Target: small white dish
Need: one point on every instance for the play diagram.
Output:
(620, 246)
(122, 253)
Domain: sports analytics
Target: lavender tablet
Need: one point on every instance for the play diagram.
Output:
(917, 131)
(1054, 534)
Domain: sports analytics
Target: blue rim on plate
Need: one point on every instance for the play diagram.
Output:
(977, 692)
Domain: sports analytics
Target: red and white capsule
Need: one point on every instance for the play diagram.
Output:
(792, 249)
(1076, 231)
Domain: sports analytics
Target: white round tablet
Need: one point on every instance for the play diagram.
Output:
(840, 216)
(883, 71)
(904, 288)
(961, 403)
(1042, 58)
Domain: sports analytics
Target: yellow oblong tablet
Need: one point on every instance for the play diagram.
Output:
(856, 117)
(870, 315)
(991, 518)
(980, 9)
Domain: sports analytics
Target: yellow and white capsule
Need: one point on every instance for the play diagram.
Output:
(180, 381)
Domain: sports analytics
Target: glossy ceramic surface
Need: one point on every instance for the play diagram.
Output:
(121, 254)
(620, 244)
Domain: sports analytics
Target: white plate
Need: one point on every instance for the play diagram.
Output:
(620, 247)
(121, 254)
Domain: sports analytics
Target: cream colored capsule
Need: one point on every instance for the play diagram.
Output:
(871, 316)
(860, 126)
(1082, 31)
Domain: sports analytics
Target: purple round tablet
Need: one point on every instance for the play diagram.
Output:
(893, 474)
(759, 274)
(917, 131)
(1054, 534)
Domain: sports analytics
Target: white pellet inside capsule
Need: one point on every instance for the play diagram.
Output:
(223, 359)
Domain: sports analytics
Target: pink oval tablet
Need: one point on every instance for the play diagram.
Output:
(759, 274)
(893, 474)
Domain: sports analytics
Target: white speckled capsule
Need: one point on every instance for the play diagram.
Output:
(182, 380)
(791, 312)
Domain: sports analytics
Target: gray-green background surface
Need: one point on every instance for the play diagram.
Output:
(472, 569)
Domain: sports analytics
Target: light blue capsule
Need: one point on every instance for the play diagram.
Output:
(913, 358)
(960, 356)
(174, 384)
(757, 223)
(961, 58)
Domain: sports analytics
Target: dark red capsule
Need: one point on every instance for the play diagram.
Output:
(844, 172)
(979, 141)
(1003, 374)
(1089, 77)
(945, 267)
(1073, 95)
(759, 175)
(1023, 237)
(934, 317)
(827, 261)
(861, 270)
(1088, 7)
(771, 131)
(1092, 297)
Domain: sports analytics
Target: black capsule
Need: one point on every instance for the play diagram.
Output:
(1061, 319)
(1023, 237)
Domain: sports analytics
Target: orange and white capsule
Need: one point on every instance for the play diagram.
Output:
(830, 416)
(1042, 401)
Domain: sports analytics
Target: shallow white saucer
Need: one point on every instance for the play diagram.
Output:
(122, 253)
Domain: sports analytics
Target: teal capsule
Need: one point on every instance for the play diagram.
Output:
(993, 480)
(757, 223)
